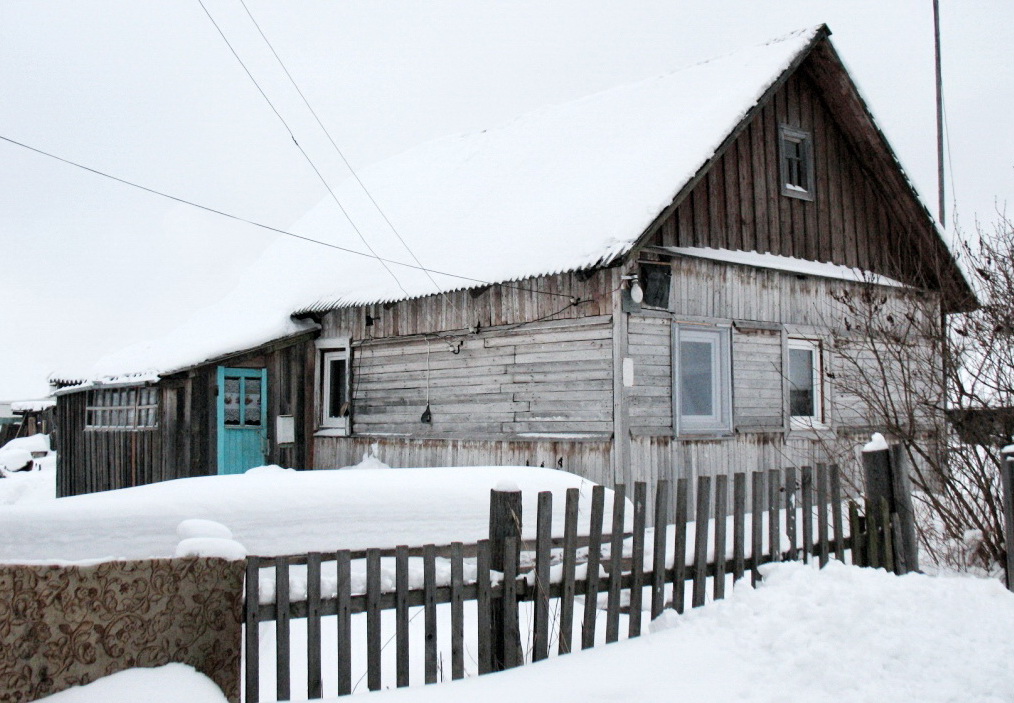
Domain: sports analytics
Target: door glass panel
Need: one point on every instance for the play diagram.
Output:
(252, 402)
(231, 401)
(801, 382)
(696, 374)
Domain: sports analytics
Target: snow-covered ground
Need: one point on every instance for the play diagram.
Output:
(839, 634)
(278, 511)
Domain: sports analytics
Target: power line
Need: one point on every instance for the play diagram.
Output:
(338, 150)
(298, 146)
(277, 230)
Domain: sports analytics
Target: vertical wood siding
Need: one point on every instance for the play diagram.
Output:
(519, 302)
(184, 442)
(739, 204)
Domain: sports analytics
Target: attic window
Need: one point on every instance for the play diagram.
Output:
(796, 148)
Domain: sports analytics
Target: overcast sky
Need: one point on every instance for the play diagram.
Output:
(150, 92)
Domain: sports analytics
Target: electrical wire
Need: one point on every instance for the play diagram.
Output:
(341, 155)
(298, 146)
(277, 230)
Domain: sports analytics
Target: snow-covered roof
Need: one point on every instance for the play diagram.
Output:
(790, 264)
(559, 189)
(32, 406)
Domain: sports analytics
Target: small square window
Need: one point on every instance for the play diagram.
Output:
(702, 392)
(796, 148)
(806, 401)
(655, 280)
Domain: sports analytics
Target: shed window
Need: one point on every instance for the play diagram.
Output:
(796, 148)
(702, 393)
(335, 388)
(805, 396)
(122, 408)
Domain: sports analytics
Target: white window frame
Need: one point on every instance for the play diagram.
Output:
(720, 421)
(817, 419)
(329, 350)
(795, 135)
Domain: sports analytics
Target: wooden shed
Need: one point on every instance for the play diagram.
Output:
(642, 284)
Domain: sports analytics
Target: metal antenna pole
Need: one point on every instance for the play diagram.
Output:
(940, 112)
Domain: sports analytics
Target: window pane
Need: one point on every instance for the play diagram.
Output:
(801, 391)
(231, 401)
(696, 374)
(336, 390)
(252, 403)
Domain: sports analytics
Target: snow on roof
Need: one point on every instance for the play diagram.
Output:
(559, 189)
(32, 406)
(790, 264)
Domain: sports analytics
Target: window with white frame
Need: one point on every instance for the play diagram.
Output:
(702, 387)
(806, 401)
(796, 150)
(334, 386)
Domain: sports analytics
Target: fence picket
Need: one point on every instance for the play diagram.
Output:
(251, 631)
(569, 567)
(721, 498)
(855, 537)
(679, 563)
(774, 512)
(283, 667)
(738, 525)
(790, 512)
(484, 605)
(457, 611)
(884, 518)
(591, 593)
(343, 569)
(430, 612)
(701, 530)
(658, 547)
(900, 564)
(509, 602)
(806, 488)
(401, 616)
(872, 536)
(637, 559)
(836, 516)
(615, 563)
(314, 683)
(756, 524)
(543, 542)
(822, 506)
(373, 645)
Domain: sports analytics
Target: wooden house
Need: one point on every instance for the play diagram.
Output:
(638, 285)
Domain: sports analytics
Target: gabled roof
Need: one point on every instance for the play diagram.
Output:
(563, 188)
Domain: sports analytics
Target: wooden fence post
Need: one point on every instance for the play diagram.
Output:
(886, 477)
(504, 523)
(1007, 481)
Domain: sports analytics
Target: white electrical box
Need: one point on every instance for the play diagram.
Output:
(285, 429)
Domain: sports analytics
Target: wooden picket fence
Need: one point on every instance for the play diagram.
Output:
(807, 506)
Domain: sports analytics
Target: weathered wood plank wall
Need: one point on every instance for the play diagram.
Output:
(552, 376)
(739, 204)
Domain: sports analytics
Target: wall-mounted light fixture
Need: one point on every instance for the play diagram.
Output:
(634, 286)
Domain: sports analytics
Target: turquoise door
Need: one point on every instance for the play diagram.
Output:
(242, 419)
